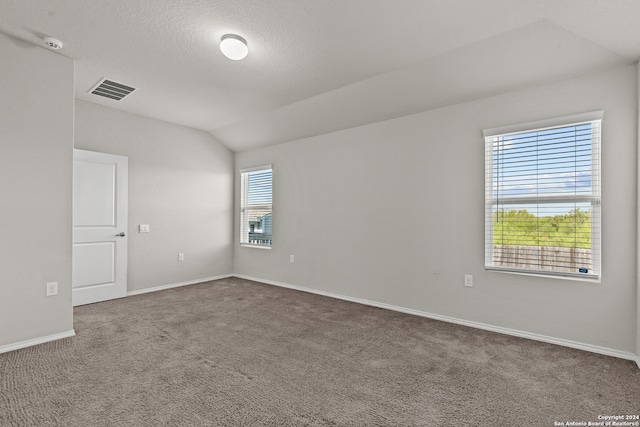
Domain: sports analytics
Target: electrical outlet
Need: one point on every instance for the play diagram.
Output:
(52, 288)
(180, 256)
(292, 258)
(468, 280)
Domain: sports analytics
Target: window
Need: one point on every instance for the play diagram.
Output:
(542, 197)
(255, 207)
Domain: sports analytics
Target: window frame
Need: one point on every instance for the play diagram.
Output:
(244, 196)
(594, 197)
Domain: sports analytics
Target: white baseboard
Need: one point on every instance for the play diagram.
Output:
(36, 341)
(536, 337)
(177, 285)
(528, 335)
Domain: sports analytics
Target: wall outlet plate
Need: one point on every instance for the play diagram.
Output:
(468, 280)
(52, 288)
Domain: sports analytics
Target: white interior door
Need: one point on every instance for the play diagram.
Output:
(99, 226)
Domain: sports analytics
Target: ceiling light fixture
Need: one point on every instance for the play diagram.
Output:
(234, 47)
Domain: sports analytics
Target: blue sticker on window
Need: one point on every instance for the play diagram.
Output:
(583, 270)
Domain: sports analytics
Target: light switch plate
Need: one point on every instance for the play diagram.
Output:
(144, 228)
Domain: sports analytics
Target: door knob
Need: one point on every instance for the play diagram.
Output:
(120, 235)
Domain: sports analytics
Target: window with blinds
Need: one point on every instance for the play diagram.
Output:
(542, 197)
(256, 216)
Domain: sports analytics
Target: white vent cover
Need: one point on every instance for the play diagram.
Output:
(111, 89)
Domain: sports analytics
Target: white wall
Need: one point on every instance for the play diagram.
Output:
(393, 212)
(180, 183)
(638, 234)
(36, 143)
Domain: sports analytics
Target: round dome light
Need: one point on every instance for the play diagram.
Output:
(234, 47)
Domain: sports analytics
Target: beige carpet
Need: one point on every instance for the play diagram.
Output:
(238, 353)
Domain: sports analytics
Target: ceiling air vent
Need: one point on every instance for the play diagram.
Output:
(111, 89)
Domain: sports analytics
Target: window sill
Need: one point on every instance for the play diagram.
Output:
(249, 245)
(562, 276)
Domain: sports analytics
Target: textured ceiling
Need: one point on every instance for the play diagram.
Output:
(317, 66)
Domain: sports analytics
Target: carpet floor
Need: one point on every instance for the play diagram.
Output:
(238, 353)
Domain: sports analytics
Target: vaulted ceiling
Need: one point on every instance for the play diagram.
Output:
(317, 66)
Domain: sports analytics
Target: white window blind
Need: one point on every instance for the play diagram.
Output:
(256, 216)
(542, 197)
